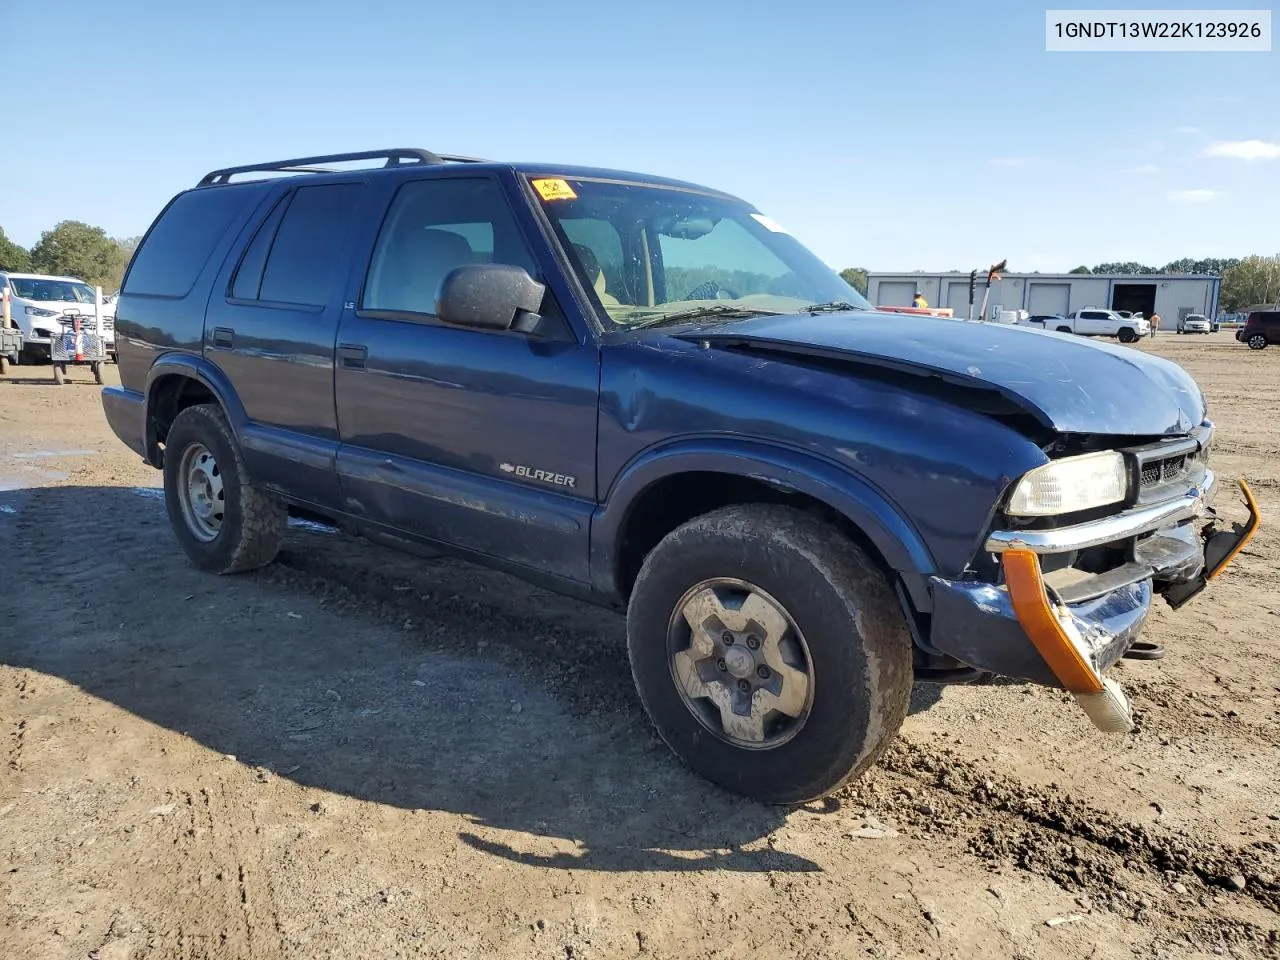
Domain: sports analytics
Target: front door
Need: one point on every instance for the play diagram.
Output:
(1094, 322)
(480, 439)
(270, 327)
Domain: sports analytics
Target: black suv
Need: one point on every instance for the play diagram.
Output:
(1262, 328)
(648, 394)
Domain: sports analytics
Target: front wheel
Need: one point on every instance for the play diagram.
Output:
(1257, 342)
(223, 523)
(1127, 335)
(769, 651)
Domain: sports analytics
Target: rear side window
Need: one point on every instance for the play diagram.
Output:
(179, 243)
(248, 281)
(293, 258)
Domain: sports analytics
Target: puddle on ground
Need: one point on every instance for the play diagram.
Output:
(298, 523)
(10, 481)
(46, 454)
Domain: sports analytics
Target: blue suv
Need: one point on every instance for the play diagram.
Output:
(647, 394)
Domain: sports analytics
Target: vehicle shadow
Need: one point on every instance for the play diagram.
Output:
(350, 668)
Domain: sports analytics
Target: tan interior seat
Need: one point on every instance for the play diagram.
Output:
(591, 267)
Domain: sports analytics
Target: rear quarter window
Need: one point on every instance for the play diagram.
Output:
(178, 245)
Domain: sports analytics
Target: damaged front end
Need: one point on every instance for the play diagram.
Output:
(1057, 600)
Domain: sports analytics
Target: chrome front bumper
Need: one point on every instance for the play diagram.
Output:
(1131, 523)
(1030, 627)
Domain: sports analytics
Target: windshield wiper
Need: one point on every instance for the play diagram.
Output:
(831, 306)
(696, 313)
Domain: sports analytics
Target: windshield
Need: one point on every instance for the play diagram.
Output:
(649, 253)
(65, 291)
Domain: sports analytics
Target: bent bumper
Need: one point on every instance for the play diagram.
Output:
(1095, 533)
(126, 412)
(1065, 633)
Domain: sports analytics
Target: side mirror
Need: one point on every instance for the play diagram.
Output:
(490, 296)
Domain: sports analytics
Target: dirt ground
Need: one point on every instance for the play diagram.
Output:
(359, 754)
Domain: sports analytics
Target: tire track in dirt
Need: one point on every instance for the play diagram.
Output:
(1111, 865)
(1122, 867)
(18, 734)
(214, 868)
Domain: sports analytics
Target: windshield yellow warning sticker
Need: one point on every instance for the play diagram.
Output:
(554, 188)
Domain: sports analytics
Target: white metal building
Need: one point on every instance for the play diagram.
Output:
(1173, 296)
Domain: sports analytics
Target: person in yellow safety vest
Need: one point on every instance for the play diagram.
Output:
(919, 300)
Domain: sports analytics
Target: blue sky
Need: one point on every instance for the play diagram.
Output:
(931, 135)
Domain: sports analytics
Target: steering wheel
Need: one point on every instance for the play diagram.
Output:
(710, 290)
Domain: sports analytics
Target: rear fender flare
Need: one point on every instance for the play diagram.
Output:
(198, 369)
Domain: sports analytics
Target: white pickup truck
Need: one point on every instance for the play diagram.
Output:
(1096, 322)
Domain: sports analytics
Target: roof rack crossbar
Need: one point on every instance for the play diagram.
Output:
(394, 157)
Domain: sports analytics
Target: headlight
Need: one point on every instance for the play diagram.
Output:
(38, 312)
(1071, 484)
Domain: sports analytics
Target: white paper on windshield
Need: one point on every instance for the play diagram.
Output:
(769, 223)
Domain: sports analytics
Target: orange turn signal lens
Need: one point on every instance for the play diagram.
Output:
(1044, 630)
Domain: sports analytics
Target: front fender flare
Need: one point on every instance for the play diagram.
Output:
(864, 505)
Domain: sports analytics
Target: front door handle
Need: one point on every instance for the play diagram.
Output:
(353, 355)
(223, 336)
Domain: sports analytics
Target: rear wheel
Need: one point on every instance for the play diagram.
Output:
(223, 523)
(97, 372)
(1257, 342)
(769, 651)
(4, 365)
(1064, 329)
(59, 373)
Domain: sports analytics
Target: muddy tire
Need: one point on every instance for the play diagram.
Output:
(223, 523)
(4, 365)
(59, 374)
(770, 652)
(97, 372)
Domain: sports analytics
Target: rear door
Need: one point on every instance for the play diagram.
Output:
(270, 327)
(481, 439)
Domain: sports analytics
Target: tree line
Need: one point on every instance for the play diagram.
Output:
(1246, 281)
(72, 249)
(76, 249)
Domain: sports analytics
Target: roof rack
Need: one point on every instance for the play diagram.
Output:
(395, 157)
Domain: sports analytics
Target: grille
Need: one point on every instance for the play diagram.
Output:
(1156, 472)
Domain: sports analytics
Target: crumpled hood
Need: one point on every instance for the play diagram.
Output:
(1069, 383)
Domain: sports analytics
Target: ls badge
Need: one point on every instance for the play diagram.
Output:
(544, 476)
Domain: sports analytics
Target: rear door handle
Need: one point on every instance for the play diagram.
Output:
(223, 336)
(353, 355)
